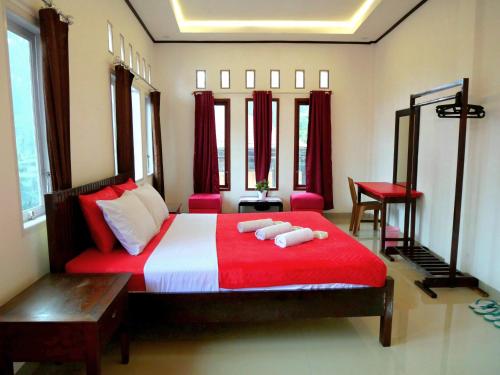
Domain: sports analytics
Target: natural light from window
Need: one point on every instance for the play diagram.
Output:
(137, 128)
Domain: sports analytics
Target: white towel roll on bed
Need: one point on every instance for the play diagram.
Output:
(253, 225)
(268, 233)
(294, 238)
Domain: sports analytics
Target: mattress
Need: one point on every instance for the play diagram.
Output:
(247, 264)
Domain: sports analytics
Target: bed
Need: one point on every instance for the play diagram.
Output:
(323, 287)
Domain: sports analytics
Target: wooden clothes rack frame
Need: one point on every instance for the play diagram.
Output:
(438, 273)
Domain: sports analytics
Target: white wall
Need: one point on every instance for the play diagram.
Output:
(351, 82)
(23, 253)
(443, 41)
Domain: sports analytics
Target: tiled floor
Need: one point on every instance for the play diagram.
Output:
(441, 336)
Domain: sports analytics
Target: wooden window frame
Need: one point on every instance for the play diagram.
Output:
(277, 144)
(227, 142)
(296, 185)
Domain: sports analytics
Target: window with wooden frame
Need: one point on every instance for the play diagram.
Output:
(222, 108)
(273, 176)
(300, 143)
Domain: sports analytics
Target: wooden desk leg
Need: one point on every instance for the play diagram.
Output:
(412, 228)
(383, 224)
(93, 349)
(125, 344)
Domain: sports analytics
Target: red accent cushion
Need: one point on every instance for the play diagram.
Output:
(100, 232)
(121, 188)
(306, 202)
(205, 203)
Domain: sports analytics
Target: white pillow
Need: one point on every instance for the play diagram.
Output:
(130, 221)
(153, 202)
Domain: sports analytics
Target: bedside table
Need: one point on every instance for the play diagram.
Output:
(65, 318)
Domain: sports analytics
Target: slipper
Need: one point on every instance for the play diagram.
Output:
(494, 317)
(483, 303)
(487, 310)
(497, 324)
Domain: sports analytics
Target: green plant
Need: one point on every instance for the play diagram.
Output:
(262, 186)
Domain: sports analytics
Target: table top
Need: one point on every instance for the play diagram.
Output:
(387, 189)
(65, 298)
(257, 200)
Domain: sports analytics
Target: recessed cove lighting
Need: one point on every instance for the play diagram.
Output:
(348, 26)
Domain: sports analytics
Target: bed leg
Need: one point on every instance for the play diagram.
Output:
(386, 317)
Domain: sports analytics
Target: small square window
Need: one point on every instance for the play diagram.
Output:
(250, 79)
(131, 56)
(122, 48)
(324, 79)
(225, 79)
(110, 37)
(201, 79)
(275, 79)
(300, 79)
(138, 63)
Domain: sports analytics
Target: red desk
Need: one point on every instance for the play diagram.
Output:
(385, 193)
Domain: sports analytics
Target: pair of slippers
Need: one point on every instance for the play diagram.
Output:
(489, 309)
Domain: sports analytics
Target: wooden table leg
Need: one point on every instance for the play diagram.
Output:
(412, 227)
(6, 366)
(124, 344)
(93, 349)
(383, 225)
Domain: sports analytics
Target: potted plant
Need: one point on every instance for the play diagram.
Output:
(262, 188)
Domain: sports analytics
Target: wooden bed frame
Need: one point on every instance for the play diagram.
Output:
(68, 236)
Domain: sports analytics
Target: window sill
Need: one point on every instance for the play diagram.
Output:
(27, 225)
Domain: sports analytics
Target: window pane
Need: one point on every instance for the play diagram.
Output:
(113, 118)
(275, 79)
(122, 48)
(138, 63)
(299, 79)
(220, 133)
(137, 124)
(302, 143)
(201, 79)
(144, 68)
(149, 136)
(131, 56)
(250, 79)
(324, 79)
(225, 81)
(110, 37)
(21, 75)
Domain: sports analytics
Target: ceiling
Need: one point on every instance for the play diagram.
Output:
(266, 20)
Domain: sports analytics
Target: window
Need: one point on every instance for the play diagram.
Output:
(250, 161)
(149, 73)
(122, 48)
(324, 79)
(130, 56)
(149, 137)
(144, 68)
(300, 143)
(29, 125)
(110, 37)
(138, 63)
(300, 81)
(275, 79)
(250, 79)
(222, 131)
(201, 79)
(137, 130)
(113, 118)
(225, 79)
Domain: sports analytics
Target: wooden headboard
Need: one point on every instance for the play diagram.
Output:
(67, 231)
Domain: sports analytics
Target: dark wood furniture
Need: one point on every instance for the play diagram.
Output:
(65, 318)
(359, 208)
(68, 236)
(260, 205)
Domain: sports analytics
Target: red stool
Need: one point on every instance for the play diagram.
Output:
(205, 204)
(306, 202)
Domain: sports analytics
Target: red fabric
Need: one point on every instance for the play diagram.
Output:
(206, 161)
(262, 132)
(124, 123)
(319, 147)
(121, 188)
(93, 261)
(100, 232)
(306, 202)
(205, 203)
(387, 190)
(245, 262)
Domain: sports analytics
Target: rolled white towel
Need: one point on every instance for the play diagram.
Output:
(268, 233)
(294, 238)
(253, 225)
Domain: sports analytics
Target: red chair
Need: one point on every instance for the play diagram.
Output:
(306, 202)
(205, 204)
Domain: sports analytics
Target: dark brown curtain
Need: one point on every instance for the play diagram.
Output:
(206, 163)
(262, 131)
(158, 183)
(124, 126)
(54, 36)
(319, 147)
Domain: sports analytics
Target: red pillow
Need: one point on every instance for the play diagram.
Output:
(100, 232)
(120, 189)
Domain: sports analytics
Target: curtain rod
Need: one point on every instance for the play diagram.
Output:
(65, 18)
(118, 61)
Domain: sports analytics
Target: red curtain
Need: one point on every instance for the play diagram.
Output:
(319, 147)
(206, 163)
(54, 37)
(158, 183)
(262, 130)
(124, 125)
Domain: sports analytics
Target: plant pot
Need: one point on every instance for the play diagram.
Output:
(262, 195)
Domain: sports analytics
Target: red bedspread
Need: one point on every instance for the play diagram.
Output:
(245, 262)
